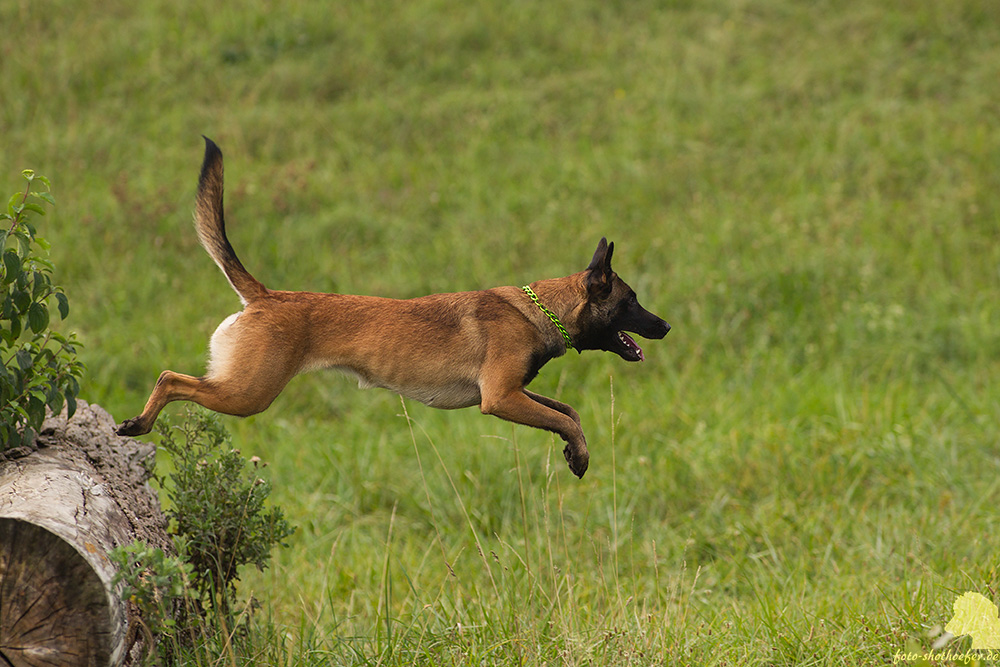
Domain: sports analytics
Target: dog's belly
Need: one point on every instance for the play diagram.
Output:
(446, 396)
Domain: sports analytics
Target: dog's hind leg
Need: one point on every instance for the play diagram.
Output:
(251, 361)
(169, 387)
(229, 398)
(239, 382)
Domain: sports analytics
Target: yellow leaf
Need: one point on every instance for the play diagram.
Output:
(976, 616)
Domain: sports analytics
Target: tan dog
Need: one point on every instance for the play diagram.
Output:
(446, 350)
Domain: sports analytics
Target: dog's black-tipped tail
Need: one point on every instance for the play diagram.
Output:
(211, 225)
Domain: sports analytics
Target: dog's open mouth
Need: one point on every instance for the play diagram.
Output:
(632, 351)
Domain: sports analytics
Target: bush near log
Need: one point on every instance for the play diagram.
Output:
(218, 509)
(220, 523)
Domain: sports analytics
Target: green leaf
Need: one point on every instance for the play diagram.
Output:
(18, 381)
(34, 208)
(55, 402)
(42, 262)
(38, 317)
(23, 242)
(21, 300)
(36, 410)
(15, 329)
(45, 196)
(11, 266)
(39, 284)
(63, 305)
(23, 359)
(70, 404)
(13, 207)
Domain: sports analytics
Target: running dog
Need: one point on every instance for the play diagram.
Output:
(445, 350)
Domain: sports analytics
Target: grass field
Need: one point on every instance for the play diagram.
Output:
(806, 471)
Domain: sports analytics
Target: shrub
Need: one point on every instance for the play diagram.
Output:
(219, 524)
(155, 583)
(38, 366)
(217, 506)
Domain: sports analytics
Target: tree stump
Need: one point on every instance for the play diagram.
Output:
(63, 507)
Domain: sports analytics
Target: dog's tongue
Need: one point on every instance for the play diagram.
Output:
(625, 338)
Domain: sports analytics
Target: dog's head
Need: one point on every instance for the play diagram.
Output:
(612, 311)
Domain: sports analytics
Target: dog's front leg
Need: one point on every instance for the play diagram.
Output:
(555, 405)
(523, 407)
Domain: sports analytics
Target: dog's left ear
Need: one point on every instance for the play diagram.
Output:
(599, 272)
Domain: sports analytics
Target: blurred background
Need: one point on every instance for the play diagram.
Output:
(806, 191)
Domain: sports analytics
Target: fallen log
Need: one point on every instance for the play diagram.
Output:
(63, 507)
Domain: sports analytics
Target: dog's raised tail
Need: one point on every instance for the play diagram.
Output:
(211, 225)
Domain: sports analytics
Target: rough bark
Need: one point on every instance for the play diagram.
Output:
(63, 508)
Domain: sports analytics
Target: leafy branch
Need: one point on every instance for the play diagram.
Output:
(38, 366)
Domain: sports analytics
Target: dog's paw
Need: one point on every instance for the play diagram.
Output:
(131, 427)
(578, 460)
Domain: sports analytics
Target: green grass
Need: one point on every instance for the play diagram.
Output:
(803, 472)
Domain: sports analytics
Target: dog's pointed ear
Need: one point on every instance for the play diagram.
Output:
(602, 256)
(599, 272)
